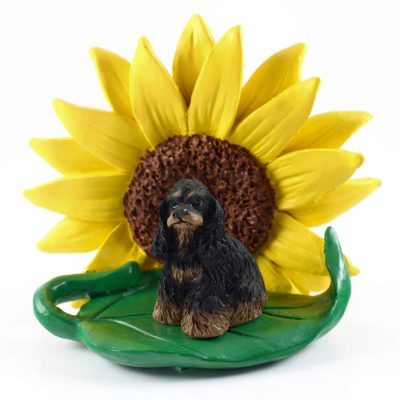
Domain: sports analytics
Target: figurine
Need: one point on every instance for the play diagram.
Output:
(210, 281)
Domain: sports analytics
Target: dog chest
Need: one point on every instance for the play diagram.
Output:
(184, 275)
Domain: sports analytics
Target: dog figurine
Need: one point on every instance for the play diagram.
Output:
(210, 281)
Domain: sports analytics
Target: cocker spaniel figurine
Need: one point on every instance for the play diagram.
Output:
(210, 281)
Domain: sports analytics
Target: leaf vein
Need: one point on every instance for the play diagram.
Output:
(145, 333)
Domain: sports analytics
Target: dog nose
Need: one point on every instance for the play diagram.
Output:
(180, 213)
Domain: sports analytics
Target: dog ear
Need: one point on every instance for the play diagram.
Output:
(213, 229)
(160, 242)
(217, 217)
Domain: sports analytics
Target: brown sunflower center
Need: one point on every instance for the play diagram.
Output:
(233, 176)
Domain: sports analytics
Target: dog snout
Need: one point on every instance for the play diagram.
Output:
(180, 213)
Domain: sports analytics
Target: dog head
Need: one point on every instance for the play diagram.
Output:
(188, 208)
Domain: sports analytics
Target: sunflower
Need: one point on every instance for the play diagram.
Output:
(275, 171)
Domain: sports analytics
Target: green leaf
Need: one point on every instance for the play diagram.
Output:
(117, 323)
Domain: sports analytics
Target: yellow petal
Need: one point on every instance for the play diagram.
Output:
(301, 177)
(73, 235)
(336, 202)
(268, 129)
(274, 278)
(216, 94)
(308, 284)
(92, 197)
(113, 138)
(118, 248)
(157, 103)
(113, 73)
(275, 75)
(150, 263)
(79, 303)
(67, 156)
(328, 130)
(194, 45)
(292, 246)
(352, 268)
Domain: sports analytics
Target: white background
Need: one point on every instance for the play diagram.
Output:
(352, 45)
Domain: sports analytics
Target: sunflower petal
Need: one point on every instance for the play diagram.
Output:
(328, 130)
(117, 249)
(301, 177)
(92, 197)
(279, 72)
(336, 202)
(157, 103)
(67, 156)
(352, 268)
(72, 235)
(150, 263)
(113, 74)
(274, 278)
(79, 303)
(292, 246)
(113, 138)
(308, 284)
(268, 129)
(194, 45)
(216, 94)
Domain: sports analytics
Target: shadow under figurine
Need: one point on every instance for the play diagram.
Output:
(210, 281)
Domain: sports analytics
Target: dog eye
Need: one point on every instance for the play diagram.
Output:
(196, 203)
(174, 204)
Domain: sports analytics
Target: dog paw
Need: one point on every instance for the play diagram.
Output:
(167, 312)
(246, 312)
(205, 325)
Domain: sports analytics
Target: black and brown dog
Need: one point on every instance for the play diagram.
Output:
(210, 281)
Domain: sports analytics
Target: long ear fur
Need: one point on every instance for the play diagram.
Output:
(219, 216)
(160, 242)
(214, 226)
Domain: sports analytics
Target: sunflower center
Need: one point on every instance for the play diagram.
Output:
(231, 173)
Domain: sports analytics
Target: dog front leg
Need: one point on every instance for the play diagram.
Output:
(206, 313)
(168, 307)
(202, 325)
